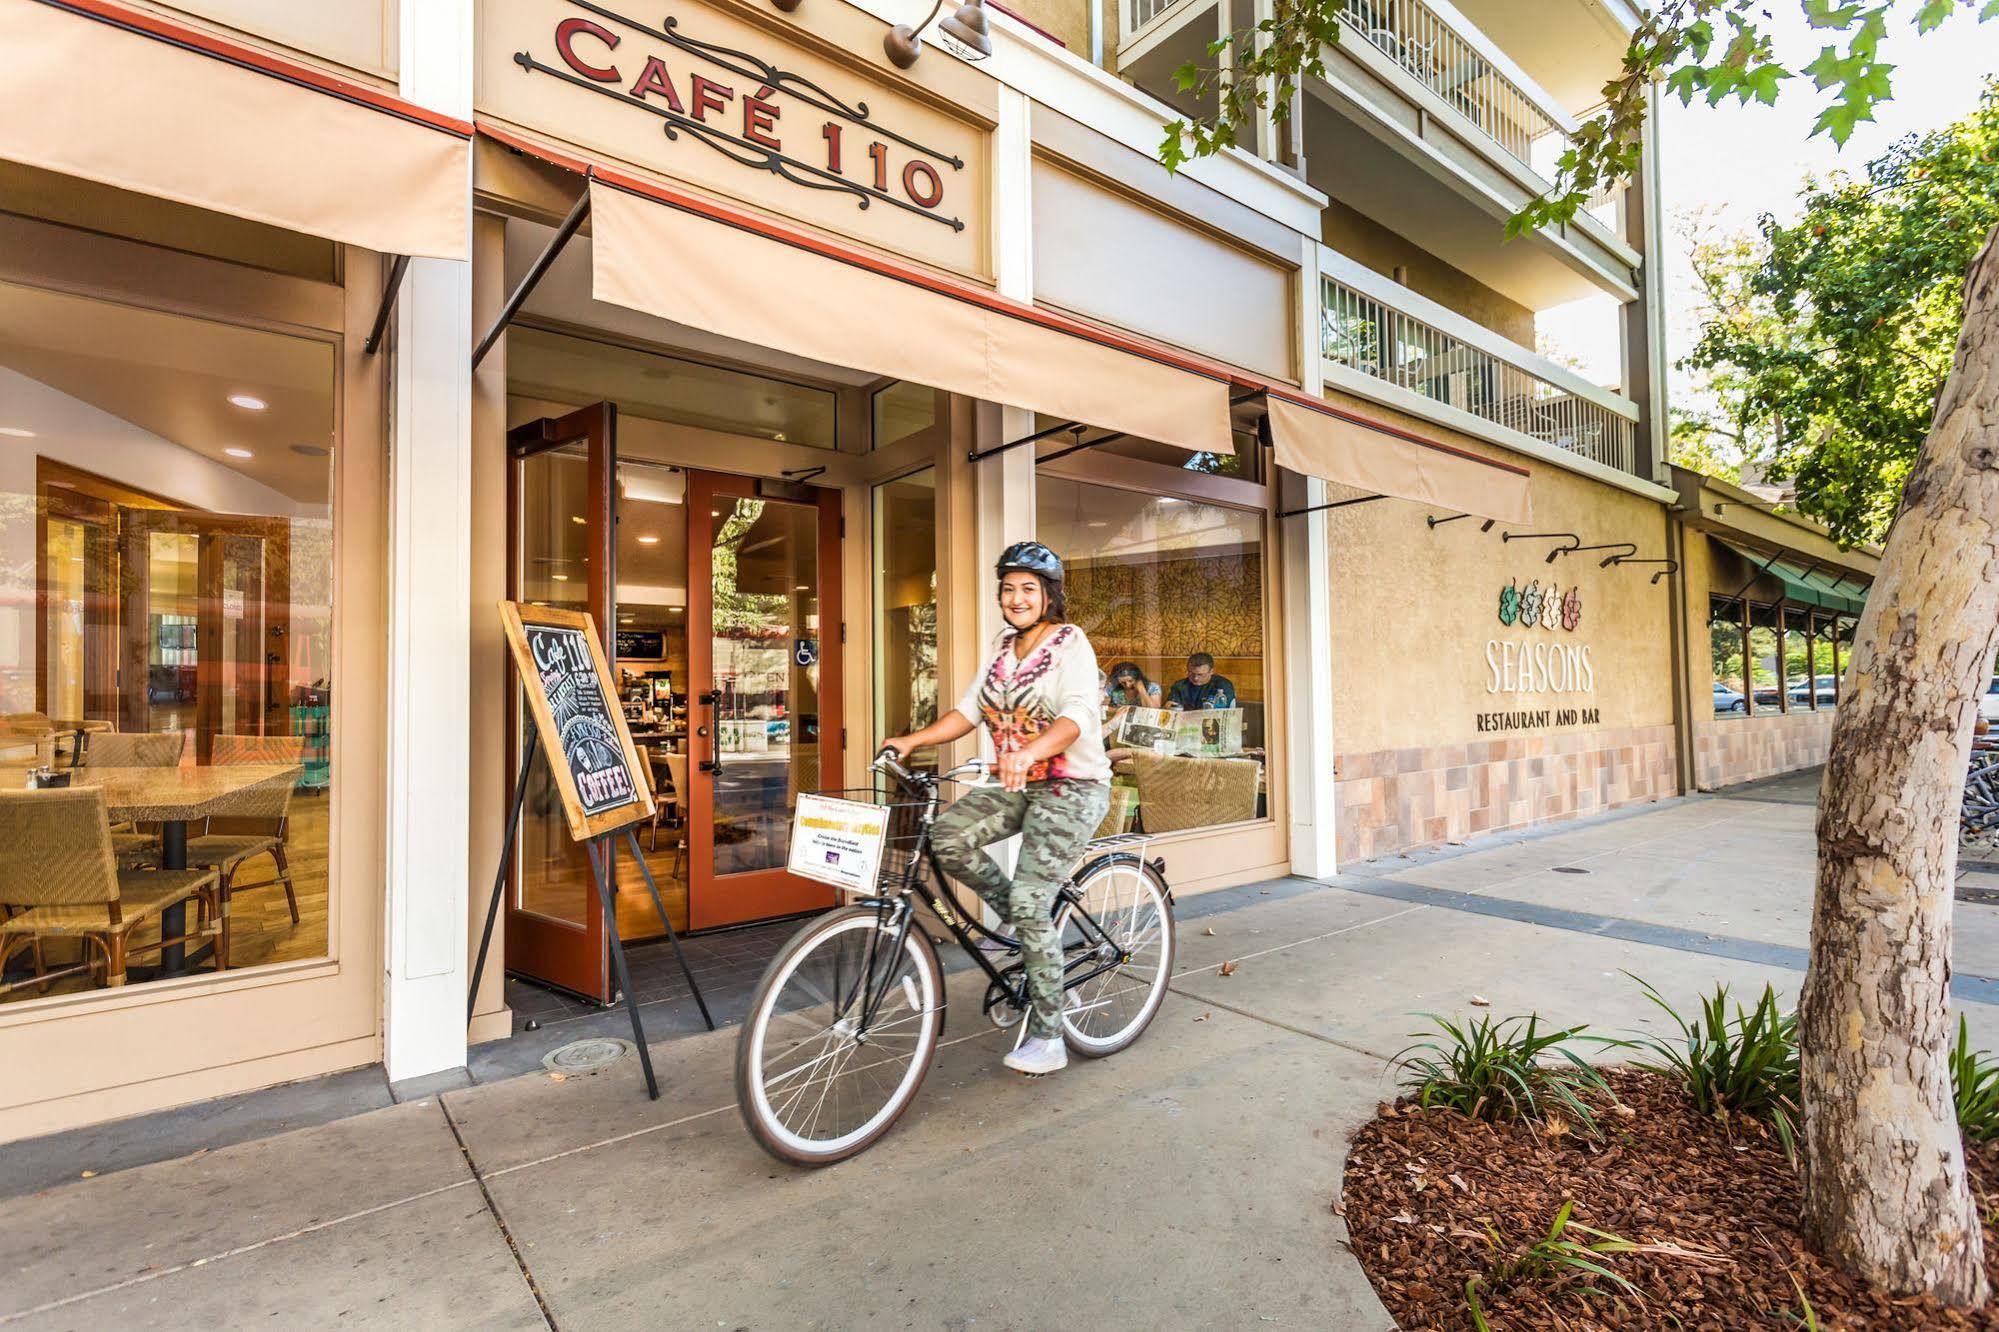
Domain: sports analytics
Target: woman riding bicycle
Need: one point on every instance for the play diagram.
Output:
(1038, 696)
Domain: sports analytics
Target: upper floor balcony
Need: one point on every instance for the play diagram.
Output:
(1426, 126)
(1382, 341)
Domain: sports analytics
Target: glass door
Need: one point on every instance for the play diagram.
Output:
(559, 538)
(764, 647)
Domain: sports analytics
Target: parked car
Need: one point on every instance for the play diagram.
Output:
(1728, 700)
(1988, 706)
(1828, 692)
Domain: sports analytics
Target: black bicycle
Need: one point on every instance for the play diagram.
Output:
(846, 1020)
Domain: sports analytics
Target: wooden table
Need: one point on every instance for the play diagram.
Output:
(172, 797)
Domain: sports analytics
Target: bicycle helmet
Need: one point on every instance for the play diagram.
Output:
(1030, 557)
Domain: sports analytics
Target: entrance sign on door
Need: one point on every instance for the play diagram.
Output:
(571, 695)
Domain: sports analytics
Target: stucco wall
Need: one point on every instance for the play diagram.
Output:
(1367, 242)
(1415, 615)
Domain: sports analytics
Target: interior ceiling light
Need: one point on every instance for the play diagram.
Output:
(648, 541)
(235, 452)
(247, 402)
(966, 34)
(15, 432)
(560, 578)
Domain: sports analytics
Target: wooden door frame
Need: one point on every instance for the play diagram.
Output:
(551, 951)
(757, 885)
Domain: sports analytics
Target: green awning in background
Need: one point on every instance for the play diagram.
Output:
(1807, 587)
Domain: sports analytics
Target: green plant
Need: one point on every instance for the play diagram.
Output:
(1974, 1085)
(1554, 1259)
(1501, 1069)
(1809, 1318)
(1746, 1064)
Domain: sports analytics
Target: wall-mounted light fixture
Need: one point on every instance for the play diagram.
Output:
(1570, 537)
(966, 34)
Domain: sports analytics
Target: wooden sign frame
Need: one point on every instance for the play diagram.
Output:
(516, 618)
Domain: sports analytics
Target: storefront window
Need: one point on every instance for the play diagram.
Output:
(901, 410)
(905, 521)
(1765, 660)
(166, 581)
(1798, 689)
(1731, 695)
(1170, 591)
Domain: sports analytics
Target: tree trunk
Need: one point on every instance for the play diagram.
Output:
(1886, 1195)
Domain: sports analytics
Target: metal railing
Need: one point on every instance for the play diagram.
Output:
(1366, 335)
(1439, 57)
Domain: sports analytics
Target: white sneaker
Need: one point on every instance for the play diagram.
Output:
(1037, 1055)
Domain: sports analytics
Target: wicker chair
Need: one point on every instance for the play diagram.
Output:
(1176, 793)
(58, 873)
(652, 789)
(676, 772)
(134, 749)
(253, 824)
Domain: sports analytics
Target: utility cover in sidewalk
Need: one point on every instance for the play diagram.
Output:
(586, 1056)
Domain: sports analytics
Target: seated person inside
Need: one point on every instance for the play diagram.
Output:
(1129, 688)
(1201, 688)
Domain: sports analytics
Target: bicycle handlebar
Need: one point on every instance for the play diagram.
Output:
(889, 761)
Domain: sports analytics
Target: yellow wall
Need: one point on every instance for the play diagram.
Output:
(1068, 21)
(1414, 608)
(1367, 242)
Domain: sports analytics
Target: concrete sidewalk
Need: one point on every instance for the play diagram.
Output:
(1189, 1181)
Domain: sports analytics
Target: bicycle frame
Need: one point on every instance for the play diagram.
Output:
(914, 880)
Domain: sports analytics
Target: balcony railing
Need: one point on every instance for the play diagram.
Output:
(1433, 52)
(1473, 369)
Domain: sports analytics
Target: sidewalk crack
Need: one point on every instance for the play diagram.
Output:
(493, 1209)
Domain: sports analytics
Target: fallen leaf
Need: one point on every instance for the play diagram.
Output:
(1228, 969)
(1210, 931)
(1339, 1207)
(89, 1174)
(1204, 1017)
(1403, 1219)
(1623, 1111)
(1557, 1126)
(1387, 1110)
(1458, 1180)
(1480, 1001)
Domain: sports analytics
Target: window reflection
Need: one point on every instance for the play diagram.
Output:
(166, 574)
(906, 605)
(1170, 591)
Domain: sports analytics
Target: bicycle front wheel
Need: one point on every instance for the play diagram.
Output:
(818, 1076)
(1117, 954)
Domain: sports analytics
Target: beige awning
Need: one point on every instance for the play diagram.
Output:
(129, 99)
(1382, 459)
(700, 264)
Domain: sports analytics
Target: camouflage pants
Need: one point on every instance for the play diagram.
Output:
(1055, 819)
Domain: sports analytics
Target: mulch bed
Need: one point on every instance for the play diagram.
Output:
(1421, 1188)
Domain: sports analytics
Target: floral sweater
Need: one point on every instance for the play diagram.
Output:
(1018, 700)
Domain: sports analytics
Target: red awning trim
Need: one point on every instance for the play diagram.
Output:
(191, 39)
(959, 291)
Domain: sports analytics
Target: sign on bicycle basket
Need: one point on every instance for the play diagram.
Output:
(838, 841)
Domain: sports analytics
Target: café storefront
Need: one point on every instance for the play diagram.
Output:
(755, 419)
(766, 347)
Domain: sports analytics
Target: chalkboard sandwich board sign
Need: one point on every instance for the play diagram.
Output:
(573, 699)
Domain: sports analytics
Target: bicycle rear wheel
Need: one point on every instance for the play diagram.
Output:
(813, 1085)
(1128, 913)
